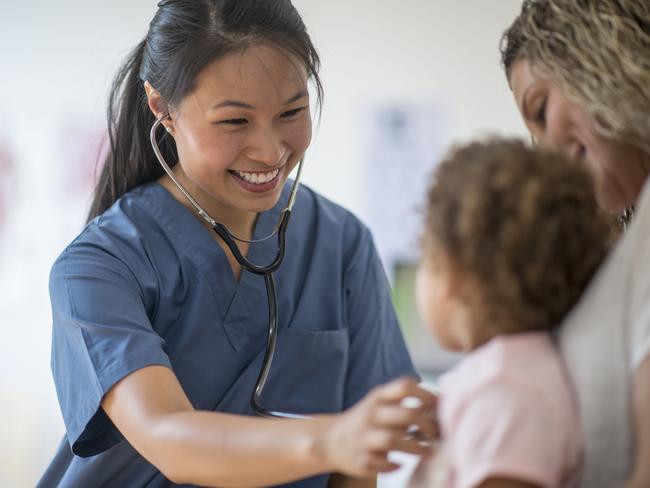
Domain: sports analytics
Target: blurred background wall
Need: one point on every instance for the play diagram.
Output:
(403, 80)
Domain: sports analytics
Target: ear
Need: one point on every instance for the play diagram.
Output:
(459, 284)
(445, 265)
(157, 105)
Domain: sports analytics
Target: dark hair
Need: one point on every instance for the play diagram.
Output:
(524, 223)
(183, 38)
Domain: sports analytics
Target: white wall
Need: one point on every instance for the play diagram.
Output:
(56, 60)
(422, 51)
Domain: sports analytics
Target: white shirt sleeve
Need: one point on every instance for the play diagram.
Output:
(639, 285)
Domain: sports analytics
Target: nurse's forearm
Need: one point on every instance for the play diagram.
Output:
(213, 449)
(153, 413)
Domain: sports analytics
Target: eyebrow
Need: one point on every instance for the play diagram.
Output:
(238, 104)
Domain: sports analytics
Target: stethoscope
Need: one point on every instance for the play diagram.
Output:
(266, 271)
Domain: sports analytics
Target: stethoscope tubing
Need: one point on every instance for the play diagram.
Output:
(266, 270)
(213, 223)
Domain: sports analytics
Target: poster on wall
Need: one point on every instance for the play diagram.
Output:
(402, 145)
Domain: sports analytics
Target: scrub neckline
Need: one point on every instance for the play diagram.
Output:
(231, 295)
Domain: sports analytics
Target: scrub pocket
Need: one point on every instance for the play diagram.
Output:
(307, 375)
(308, 371)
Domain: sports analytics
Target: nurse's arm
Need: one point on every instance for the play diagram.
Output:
(151, 410)
(641, 408)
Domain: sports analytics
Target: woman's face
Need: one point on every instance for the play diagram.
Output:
(618, 169)
(242, 129)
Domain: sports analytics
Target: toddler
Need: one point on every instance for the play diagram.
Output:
(512, 237)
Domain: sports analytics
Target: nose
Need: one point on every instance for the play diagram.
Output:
(560, 142)
(563, 129)
(266, 147)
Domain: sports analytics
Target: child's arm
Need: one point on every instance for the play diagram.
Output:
(641, 406)
(504, 483)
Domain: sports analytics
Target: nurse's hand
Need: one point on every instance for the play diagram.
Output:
(358, 440)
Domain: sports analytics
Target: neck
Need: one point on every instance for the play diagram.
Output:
(477, 327)
(465, 331)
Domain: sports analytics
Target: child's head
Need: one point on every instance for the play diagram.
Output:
(512, 237)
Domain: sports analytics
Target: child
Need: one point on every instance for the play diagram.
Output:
(512, 237)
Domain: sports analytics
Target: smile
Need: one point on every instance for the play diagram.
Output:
(257, 178)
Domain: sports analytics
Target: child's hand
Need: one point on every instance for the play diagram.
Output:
(357, 441)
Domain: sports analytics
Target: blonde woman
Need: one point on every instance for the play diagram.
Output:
(580, 74)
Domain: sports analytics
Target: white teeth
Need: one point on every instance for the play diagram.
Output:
(257, 178)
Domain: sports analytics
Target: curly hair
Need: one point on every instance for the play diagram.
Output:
(598, 52)
(523, 222)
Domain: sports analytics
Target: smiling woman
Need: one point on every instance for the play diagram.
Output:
(556, 121)
(158, 334)
(580, 73)
(238, 134)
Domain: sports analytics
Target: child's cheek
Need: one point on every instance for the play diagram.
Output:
(424, 296)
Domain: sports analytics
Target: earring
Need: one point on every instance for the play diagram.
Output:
(168, 129)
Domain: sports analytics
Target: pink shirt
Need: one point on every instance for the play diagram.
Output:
(507, 410)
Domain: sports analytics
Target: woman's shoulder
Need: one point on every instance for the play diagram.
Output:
(517, 370)
(328, 215)
(508, 359)
(121, 232)
(616, 297)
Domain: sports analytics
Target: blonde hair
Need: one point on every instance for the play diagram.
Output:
(525, 225)
(598, 52)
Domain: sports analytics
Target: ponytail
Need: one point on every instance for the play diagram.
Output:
(130, 161)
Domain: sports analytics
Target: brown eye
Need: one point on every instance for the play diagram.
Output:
(233, 121)
(291, 113)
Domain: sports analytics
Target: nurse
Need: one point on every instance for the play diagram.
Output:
(158, 335)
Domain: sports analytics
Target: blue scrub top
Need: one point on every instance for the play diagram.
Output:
(146, 284)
